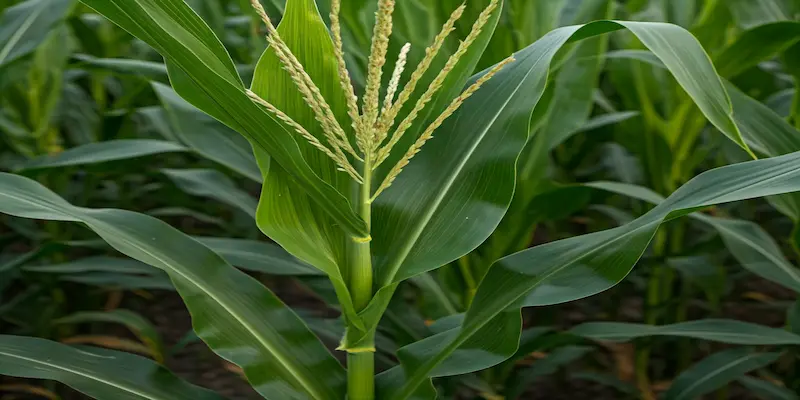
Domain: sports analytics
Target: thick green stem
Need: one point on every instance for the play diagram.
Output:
(361, 366)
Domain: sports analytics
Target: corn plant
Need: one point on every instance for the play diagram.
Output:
(372, 193)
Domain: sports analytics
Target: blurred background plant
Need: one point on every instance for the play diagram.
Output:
(711, 310)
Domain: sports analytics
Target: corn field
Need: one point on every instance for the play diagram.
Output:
(399, 199)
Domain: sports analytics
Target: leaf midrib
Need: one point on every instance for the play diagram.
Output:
(243, 321)
(87, 376)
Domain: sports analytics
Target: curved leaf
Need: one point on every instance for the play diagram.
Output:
(717, 371)
(139, 325)
(202, 72)
(26, 25)
(147, 69)
(102, 374)
(279, 355)
(572, 269)
(717, 330)
(94, 153)
(747, 241)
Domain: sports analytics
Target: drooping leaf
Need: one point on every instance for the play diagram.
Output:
(555, 360)
(94, 153)
(717, 371)
(717, 330)
(279, 355)
(571, 269)
(99, 373)
(139, 325)
(24, 26)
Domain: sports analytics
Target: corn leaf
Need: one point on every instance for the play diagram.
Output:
(140, 326)
(280, 356)
(202, 72)
(568, 270)
(716, 330)
(100, 152)
(767, 390)
(99, 373)
(717, 371)
(24, 26)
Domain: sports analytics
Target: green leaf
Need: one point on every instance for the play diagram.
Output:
(717, 330)
(212, 184)
(279, 355)
(206, 136)
(99, 373)
(202, 72)
(767, 390)
(574, 268)
(747, 241)
(23, 27)
(145, 69)
(95, 153)
(96, 264)
(756, 45)
(139, 325)
(258, 256)
(717, 371)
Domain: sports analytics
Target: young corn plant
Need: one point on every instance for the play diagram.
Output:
(413, 176)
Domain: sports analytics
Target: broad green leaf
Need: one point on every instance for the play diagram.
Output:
(717, 371)
(793, 317)
(99, 373)
(212, 184)
(120, 281)
(206, 136)
(571, 269)
(140, 326)
(279, 355)
(756, 45)
(23, 27)
(717, 330)
(257, 256)
(285, 214)
(767, 390)
(95, 153)
(202, 72)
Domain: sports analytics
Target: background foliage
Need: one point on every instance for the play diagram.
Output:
(711, 308)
